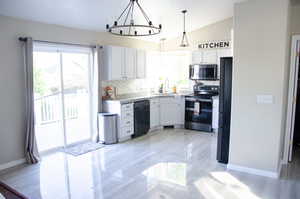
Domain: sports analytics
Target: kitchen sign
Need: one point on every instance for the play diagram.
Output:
(215, 45)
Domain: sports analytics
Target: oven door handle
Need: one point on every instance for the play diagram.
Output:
(205, 100)
(190, 99)
(197, 100)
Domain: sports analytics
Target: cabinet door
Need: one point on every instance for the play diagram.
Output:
(126, 131)
(169, 114)
(210, 57)
(117, 63)
(182, 109)
(154, 113)
(130, 63)
(170, 111)
(196, 57)
(141, 64)
(215, 117)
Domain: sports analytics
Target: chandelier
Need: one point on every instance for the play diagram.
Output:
(184, 40)
(125, 25)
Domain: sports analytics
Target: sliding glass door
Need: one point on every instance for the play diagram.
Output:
(62, 96)
(47, 100)
(76, 96)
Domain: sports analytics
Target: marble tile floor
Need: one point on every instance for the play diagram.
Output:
(169, 164)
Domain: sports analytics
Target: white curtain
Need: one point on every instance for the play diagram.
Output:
(31, 151)
(96, 89)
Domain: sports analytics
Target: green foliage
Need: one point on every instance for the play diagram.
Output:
(39, 83)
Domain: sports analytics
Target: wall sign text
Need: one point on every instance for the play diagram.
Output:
(214, 45)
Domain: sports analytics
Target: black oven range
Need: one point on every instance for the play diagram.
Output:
(198, 108)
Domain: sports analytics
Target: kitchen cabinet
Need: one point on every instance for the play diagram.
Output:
(197, 57)
(126, 121)
(113, 63)
(171, 111)
(129, 67)
(164, 111)
(125, 114)
(122, 63)
(204, 57)
(210, 57)
(154, 112)
(141, 64)
(215, 116)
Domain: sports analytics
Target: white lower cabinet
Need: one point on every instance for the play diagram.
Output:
(126, 121)
(154, 112)
(164, 111)
(215, 117)
(171, 111)
(169, 114)
(125, 132)
(125, 113)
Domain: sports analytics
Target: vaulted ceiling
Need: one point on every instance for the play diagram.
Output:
(95, 14)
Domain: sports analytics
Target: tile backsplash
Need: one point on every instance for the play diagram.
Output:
(143, 85)
(129, 86)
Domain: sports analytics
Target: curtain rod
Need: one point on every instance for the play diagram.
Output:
(24, 39)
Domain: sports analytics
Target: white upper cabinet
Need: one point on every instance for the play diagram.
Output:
(113, 63)
(210, 57)
(123, 63)
(141, 64)
(204, 57)
(129, 63)
(196, 57)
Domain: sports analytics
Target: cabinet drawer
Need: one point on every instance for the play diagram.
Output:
(154, 102)
(126, 114)
(127, 108)
(126, 131)
(168, 100)
(127, 121)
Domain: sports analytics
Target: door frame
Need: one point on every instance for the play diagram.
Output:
(292, 95)
(61, 49)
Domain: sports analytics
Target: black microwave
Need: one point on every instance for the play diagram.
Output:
(204, 72)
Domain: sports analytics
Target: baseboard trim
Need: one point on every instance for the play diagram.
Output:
(253, 171)
(12, 164)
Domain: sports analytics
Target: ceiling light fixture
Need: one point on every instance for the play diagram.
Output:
(184, 40)
(125, 24)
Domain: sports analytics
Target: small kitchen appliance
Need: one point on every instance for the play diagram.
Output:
(203, 72)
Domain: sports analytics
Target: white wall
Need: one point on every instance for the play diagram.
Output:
(12, 114)
(295, 22)
(260, 67)
(218, 31)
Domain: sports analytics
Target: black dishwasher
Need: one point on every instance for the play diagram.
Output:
(141, 118)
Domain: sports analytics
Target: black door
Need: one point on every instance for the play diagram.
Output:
(225, 109)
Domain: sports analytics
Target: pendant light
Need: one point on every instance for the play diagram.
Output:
(125, 24)
(184, 40)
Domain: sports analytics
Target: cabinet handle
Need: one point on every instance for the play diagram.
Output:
(128, 131)
(128, 122)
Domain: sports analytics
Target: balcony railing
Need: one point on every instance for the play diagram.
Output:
(48, 108)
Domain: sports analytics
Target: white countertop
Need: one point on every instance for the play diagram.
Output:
(142, 96)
